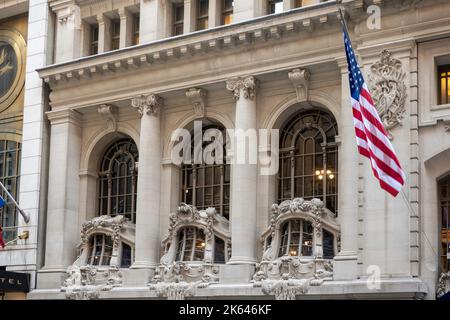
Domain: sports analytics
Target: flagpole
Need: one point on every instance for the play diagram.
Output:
(25, 216)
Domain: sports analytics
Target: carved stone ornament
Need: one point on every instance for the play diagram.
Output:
(388, 89)
(288, 276)
(246, 85)
(179, 279)
(443, 284)
(147, 104)
(84, 281)
(198, 99)
(107, 111)
(300, 81)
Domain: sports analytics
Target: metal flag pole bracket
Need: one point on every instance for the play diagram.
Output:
(25, 216)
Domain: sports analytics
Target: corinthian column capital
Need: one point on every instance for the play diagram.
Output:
(147, 104)
(245, 85)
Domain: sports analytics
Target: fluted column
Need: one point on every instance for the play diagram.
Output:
(244, 173)
(149, 183)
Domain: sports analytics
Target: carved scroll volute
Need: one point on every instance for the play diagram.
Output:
(147, 104)
(388, 89)
(246, 85)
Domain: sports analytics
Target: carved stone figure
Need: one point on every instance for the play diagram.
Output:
(388, 89)
(443, 285)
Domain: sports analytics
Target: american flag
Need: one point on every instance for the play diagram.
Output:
(371, 136)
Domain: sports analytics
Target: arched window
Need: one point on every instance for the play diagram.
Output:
(444, 199)
(118, 180)
(308, 158)
(100, 250)
(296, 238)
(191, 244)
(207, 185)
(10, 154)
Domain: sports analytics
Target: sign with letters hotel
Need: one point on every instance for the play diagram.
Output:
(14, 281)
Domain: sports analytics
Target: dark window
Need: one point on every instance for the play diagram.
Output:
(296, 238)
(94, 39)
(227, 11)
(136, 21)
(202, 14)
(178, 18)
(10, 155)
(444, 199)
(207, 185)
(118, 180)
(115, 34)
(100, 250)
(328, 244)
(298, 3)
(444, 84)
(126, 256)
(308, 158)
(275, 6)
(219, 250)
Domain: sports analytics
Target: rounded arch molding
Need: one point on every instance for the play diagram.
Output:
(220, 117)
(99, 140)
(280, 112)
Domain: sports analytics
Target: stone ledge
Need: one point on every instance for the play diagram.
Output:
(400, 288)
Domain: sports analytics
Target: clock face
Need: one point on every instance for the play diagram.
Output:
(8, 67)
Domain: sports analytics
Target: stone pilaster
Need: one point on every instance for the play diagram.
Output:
(126, 26)
(345, 262)
(149, 184)
(68, 30)
(63, 197)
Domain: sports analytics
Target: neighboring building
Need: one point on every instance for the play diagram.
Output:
(121, 219)
(23, 48)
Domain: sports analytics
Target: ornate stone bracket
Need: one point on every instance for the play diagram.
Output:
(178, 279)
(246, 85)
(300, 81)
(288, 276)
(443, 285)
(107, 111)
(388, 89)
(147, 104)
(198, 99)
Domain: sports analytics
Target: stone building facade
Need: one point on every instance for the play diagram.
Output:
(121, 219)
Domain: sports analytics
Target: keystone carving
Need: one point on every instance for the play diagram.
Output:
(198, 99)
(300, 81)
(107, 111)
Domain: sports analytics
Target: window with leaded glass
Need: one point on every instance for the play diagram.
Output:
(191, 244)
(444, 199)
(309, 158)
(100, 250)
(10, 153)
(296, 238)
(118, 180)
(207, 185)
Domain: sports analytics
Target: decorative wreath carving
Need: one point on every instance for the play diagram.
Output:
(387, 84)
